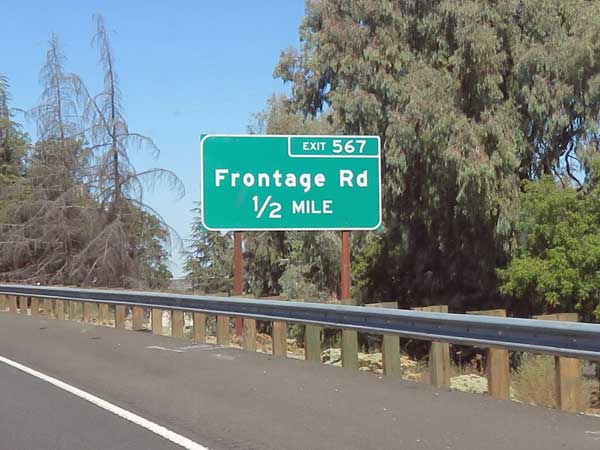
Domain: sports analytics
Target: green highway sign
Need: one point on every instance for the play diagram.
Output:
(274, 182)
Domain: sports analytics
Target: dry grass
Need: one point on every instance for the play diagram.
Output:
(534, 382)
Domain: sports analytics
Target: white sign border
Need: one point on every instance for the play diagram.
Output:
(289, 136)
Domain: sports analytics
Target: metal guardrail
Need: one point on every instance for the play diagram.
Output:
(578, 340)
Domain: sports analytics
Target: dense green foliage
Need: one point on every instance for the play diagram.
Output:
(209, 261)
(468, 98)
(13, 142)
(557, 263)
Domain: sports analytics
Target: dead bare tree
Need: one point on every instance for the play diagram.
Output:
(50, 210)
(79, 216)
(116, 255)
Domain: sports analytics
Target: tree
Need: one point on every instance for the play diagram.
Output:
(555, 82)
(50, 210)
(58, 116)
(209, 259)
(279, 117)
(468, 97)
(152, 239)
(14, 146)
(313, 265)
(78, 216)
(556, 266)
(13, 142)
(116, 256)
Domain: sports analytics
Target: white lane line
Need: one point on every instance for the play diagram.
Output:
(200, 347)
(123, 413)
(156, 347)
(597, 433)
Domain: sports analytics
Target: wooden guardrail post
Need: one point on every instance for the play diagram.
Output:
(567, 372)
(89, 309)
(439, 354)
(498, 363)
(222, 330)
(86, 312)
(390, 348)
(103, 314)
(12, 303)
(249, 334)
(312, 343)
(280, 332)
(59, 309)
(312, 340)
(137, 318)
(248, 330)
(23, 305)
(199, 327)
(49, 307)
(157, 321)
(78, 309)
(120, 316)
(177, 323)
(222, 324)
(34, 303)
(3, 302)
(349, 343)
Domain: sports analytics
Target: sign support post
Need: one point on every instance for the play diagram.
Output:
(349, 337)
(238, 275)
(345, 266)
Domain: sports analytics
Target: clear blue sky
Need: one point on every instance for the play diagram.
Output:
(185, 67)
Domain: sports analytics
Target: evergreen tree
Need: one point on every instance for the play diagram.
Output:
(209, 259)
(14, 145)
(13, 142)
(467, 97)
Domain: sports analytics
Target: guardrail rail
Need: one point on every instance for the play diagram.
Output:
(559, 338)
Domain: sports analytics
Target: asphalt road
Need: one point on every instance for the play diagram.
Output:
(36, 415)
(229, 399)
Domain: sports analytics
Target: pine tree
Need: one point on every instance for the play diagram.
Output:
(13, 142)
(14, 146)
(209, 259)
(50, 211)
